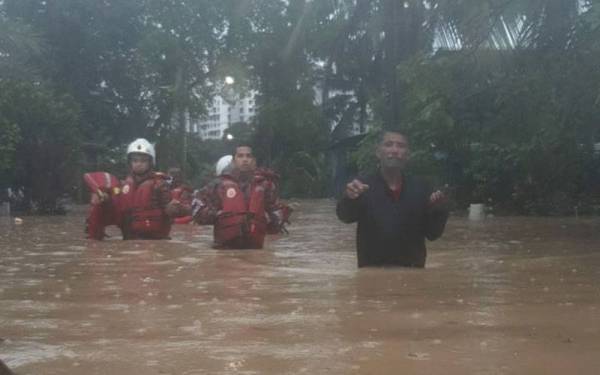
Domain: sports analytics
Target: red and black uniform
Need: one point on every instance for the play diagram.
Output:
(242, 211)
(137, 208)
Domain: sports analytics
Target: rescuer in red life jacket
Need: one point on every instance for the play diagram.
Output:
(242, 204)
(182, 193)
(141, 207)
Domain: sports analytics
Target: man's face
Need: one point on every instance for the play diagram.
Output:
(140, 163)
(243, 159)
(393, 151)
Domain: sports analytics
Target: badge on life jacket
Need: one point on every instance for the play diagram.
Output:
(231, 193)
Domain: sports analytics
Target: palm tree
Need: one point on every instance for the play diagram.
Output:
(509, 24)
(372, 38)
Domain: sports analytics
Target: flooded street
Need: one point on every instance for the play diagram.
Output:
(501, 296)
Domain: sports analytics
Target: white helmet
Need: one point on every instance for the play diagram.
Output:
(222, 164)
(142, 146)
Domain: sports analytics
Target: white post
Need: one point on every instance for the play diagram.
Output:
(476, 211)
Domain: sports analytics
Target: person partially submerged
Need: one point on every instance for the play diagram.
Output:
(141, 206)
(395, 212)
(242, 204)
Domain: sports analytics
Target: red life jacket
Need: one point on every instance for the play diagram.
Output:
(103, 181)
(240, 219)
(183, 219)
(101, 215)
(280, 212)
(141, 217)
(177, 192)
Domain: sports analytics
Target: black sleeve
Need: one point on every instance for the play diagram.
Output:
(348, 210)
(435, 222)
(435, 217)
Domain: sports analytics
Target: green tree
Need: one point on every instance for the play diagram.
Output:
(91, 49)
(179, 54)
(272, 39)
(46, 155)
(19, 46)
(9, 139)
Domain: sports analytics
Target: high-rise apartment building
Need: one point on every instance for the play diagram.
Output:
(223, 113)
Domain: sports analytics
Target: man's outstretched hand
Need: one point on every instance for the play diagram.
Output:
(355, 188)
(437, 198)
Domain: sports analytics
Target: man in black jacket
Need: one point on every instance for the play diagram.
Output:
(4, 370)
(395, 212)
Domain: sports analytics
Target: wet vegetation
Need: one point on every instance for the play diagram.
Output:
(500, 98)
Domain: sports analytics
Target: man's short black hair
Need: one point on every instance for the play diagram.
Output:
(242, 144)
(381, 134)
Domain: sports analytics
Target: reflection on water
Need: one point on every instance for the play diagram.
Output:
(503, 296)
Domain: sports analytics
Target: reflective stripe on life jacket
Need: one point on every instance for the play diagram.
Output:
(103, 181)
(141, 216)
(240, 218)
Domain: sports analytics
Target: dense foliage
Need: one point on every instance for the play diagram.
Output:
(500, 98)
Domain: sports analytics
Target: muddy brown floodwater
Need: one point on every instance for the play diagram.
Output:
(503, 296)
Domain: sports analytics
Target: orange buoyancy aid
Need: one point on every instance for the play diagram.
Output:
(141, 215)
(242, 219)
